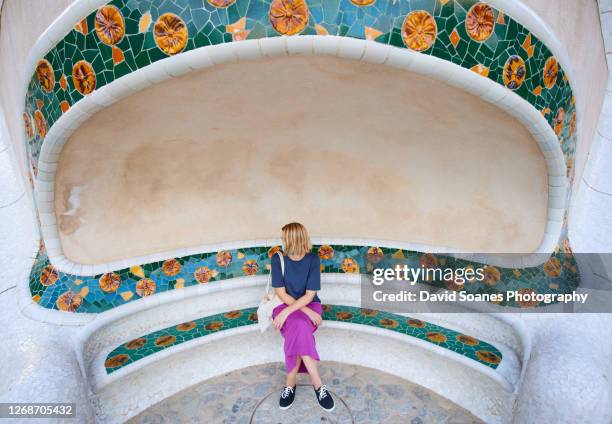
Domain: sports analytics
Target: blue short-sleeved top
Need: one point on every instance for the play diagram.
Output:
(300, 276)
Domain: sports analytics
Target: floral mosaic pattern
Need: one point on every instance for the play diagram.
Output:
(170, 34)
(480, 21)
(419, 30)
(126, 35)
(151, 343)
(109, 24)
(289, 17)
(54, 289)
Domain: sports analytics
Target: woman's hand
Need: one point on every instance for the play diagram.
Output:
(280, 319)
(314, 317)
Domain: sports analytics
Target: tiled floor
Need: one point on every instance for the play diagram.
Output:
(362, 395)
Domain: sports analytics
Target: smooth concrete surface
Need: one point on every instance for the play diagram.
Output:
(348, 148)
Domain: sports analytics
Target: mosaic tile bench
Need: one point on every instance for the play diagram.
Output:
(124, 36)
(149, 344)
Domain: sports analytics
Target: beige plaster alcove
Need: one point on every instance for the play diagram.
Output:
(348, 148)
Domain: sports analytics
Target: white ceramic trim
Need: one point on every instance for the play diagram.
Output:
(200, 58)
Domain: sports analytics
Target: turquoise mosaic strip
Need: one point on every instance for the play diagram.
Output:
(166, 338)
(54, 289)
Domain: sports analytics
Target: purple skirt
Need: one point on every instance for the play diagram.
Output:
(298, 332)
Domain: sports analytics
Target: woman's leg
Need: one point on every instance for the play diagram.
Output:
(299, 340)
(300, 343)
(311, 366)
(292, 376)
(309, 362)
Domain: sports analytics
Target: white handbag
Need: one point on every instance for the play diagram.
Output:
(269, 301)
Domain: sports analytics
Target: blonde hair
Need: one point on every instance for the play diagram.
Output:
(295, 239)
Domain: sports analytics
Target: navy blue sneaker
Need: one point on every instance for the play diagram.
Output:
(287, 397)
(324, 398)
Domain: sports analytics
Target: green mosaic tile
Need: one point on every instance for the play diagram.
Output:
(205, 24)
(148, 344)
(54, 289)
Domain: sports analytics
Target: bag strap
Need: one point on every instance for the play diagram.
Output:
(282, 264)
(282, 261)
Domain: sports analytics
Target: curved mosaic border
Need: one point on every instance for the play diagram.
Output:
(149, 344)
(498, 48)
(128, 33)
(54, 289)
